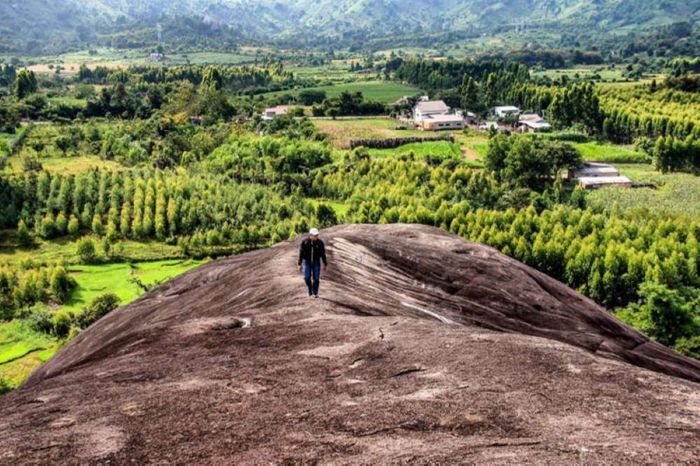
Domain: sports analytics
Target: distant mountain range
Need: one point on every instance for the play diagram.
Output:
(47, 24)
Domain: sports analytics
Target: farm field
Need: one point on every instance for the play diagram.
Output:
(22, 348)
(116, 58)
(378, 91)
(340, 208)
(120, 279)
(67, 165)
(421, 150)
(342, 131)
(599, 73)
(675, 193)
(610, 153)
(63, 250)
(331, 74)
(596, 72)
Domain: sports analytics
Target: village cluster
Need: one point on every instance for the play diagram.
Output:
(436, 115)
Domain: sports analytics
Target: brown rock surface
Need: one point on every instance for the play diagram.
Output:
(423, 348)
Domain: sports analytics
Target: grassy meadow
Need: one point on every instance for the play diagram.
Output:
(117, 58)
(610, 153)
(379, 91)
(342, 131)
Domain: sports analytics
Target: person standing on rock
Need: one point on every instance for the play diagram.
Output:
(311, 253)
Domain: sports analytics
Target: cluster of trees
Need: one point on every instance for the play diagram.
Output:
(348, 104)
(64, 323)
(22, 289)
(269, 160)
(433, 75)
(233, 79)
(530, 162)
(633, 264)
(161, 141)
(677, 155)
(145, 204)
(406, 189)
(633, 112)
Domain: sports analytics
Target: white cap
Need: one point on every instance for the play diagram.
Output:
(313, 232)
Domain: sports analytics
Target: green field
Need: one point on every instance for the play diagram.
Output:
(96, 280)
(63, 250)
(67, 165)
(378, 91)
(674, 193)
(342, 131)
(328, 74)
(340, 208)
(113, 58)
(23, 349)
(606, 152)
(597, 72)
(421, 149)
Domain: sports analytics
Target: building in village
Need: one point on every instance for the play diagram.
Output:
(435, 115)
(593, 175)
(532, 123)
(506, 111)
(273, 112)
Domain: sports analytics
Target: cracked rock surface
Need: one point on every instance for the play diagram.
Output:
(423, 348)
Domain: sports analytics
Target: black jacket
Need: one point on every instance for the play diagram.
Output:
(312, 251)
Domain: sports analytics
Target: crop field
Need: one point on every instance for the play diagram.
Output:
(122, 279)
(63, 250)
(474, 145)
(611, 153)
(598, 73)
(421, 149)
(330, 74)
(342, 131)
(340, 208)
(378, 91)
(67, 165)
(677, 193)
(112, 58)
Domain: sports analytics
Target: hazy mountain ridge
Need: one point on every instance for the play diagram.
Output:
(69, 21)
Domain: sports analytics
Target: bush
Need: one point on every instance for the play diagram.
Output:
(86, 251)
(570, 137)
(61, 284)
(5, 385)
(689, 346)
(23, 235)
(41, 320)
(62, 322)
(98, 308)
(73, 225)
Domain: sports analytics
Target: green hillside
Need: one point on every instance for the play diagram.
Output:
(51, 25)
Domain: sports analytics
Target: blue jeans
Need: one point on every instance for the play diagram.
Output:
(312, 276)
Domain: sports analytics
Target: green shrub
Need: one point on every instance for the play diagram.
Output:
(86, 250)
(41, 320)
(62, 284)
(5, 385)
(23, 235)
(62, 322)
(689, 346)
(73, 225)
(98, 308)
